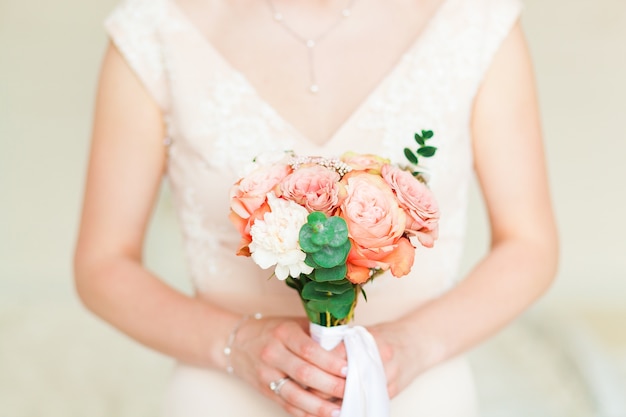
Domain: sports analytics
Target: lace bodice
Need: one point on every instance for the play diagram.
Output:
(217, 123)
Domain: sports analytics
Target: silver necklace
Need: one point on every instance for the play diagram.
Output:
(310, 42)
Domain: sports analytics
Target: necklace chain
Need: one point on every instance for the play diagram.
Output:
(310, 42)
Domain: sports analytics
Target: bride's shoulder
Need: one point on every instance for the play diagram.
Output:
(140, 6)
(485, 8)
(497, 8)
(492, 4)
(140, 13)
(134, 27)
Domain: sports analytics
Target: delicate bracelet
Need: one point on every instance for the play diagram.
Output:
(231, 338)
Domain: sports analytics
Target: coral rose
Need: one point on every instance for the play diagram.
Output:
(248, 199)
(314, 187)
(376, 223)
(250, 192)
(361, 262)
(418, 202)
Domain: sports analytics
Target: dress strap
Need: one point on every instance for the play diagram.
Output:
(134, 27)
(499, 18)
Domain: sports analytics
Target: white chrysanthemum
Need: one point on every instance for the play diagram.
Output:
(275, 238)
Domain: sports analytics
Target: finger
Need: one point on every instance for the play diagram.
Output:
(290, 408)
(305, 373)
(321, 394)
(302, 345)
(297, 398)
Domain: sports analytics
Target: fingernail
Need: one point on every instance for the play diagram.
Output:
(344, 372)
(335, 413)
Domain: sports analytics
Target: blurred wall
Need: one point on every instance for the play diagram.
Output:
(579, 49)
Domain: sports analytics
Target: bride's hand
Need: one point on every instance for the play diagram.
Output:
(402, 358)
(269, 349)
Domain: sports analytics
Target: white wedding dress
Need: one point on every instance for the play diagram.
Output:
(217, 123)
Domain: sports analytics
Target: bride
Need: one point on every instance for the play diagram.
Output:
(194, 89)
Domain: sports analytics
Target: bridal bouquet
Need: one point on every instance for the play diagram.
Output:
(328, 226)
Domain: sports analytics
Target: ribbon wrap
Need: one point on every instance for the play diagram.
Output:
(366, 385)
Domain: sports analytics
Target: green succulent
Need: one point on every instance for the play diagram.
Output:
(328, 297)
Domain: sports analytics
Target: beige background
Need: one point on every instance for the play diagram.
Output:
(52, 351)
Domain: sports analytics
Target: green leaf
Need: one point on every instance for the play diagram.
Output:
(316, 217)
(310, 262)
(321, 237)
(296, 284)
(427, 151)
(315, 295)
(364, 294)
(427, 134)
(314, 316)
(419, 139)
(329, 257)
(336, 273)
(310, 293)
(340, 311)
(317, 306)
(324, 290)
(338, 305)
(305, 239)
(410, 156)
(346, 297)
(345, 250)
(338, 228)
(322, 231)
(337, 287)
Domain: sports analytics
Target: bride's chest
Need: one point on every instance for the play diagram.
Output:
(219, 113)
(314, 71)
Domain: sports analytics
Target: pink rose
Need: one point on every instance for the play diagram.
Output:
(376, 223)
(250, 192)
(418, 202)
(314, 187)
(248, 199)
(364, 162)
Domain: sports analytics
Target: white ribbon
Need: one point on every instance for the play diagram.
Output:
(366, 385)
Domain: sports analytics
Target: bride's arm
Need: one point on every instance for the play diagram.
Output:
(521, 263)
(126, 165)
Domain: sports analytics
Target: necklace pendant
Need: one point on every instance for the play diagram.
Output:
(314, 88)
(310, 43)
(345, 12)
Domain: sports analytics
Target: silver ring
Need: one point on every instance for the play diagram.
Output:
(275, 386)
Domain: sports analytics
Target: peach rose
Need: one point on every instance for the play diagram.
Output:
(248, 199)
(361, 261)
(314, 187)
(418, 202)
(250, 192)
(244, 226)
(376, 223)
(364, 162)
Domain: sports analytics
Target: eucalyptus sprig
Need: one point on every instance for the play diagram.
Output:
(328, 297)
(424, 150)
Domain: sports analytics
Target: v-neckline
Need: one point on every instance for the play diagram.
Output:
(391, 73)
